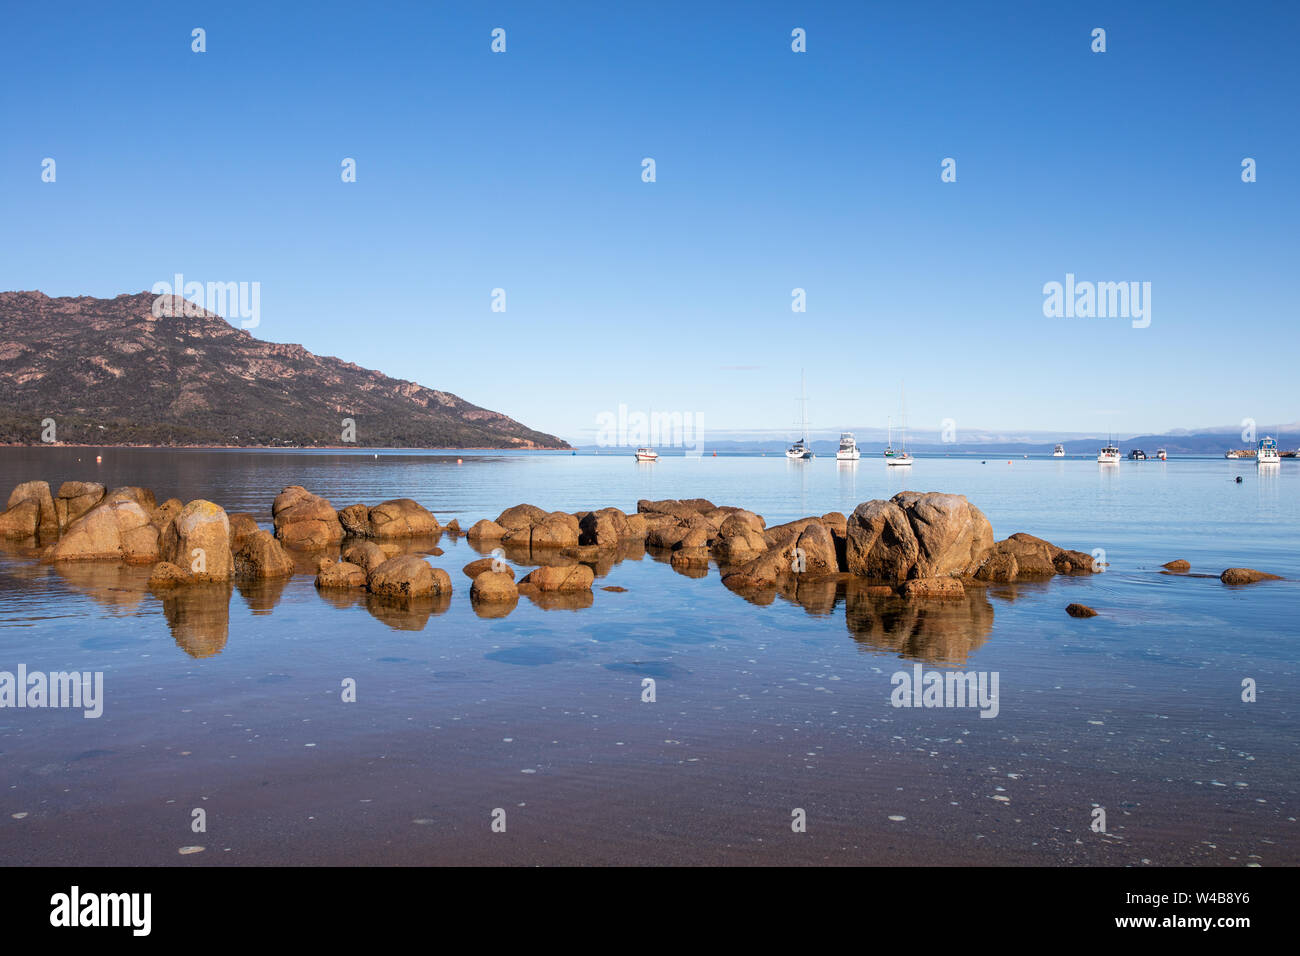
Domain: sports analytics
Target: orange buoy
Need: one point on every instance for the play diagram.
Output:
(99, 459)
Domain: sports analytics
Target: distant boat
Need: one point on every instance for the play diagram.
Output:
(801, 450)
(1058, 451)
(647, 454)
(1137, 454)
(1162, 454)
(1267, 454)
(889, 438)
(848, 450)
(1240, 453)
(1108, 455)
(901, 458)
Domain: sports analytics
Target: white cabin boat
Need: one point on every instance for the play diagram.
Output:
(1162, 454)
(647, 454)
(848, 450)
(1268, 454)
(1058, 451)
(1108, 455)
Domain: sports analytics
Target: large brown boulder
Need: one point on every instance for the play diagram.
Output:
(555, 530)
(199, 539)
(116, 530)
(355, 520)
(803, 547)
(402, 518)
(366, 554)
(305, 520)
(141, 496)
(260, 556)
(342, 575)
(475, 568)
(520, 516)
(75, 499)
(162, 516)
(408, 576)
(494, 586)
(47, 518)
(682, 508)
(242, 526)
(21, 520)
(577, 577)
(485, 530)
(604, 528)
(917, 535)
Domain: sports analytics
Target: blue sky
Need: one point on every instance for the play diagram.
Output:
(775, 170)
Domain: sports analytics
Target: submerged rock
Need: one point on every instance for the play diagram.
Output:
(1178, 565)
(946, 589)
(1246, 576)
(576, 577)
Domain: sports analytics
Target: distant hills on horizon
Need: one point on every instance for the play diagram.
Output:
(1208, 442)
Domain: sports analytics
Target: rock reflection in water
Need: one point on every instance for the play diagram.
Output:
(405, 614)
(113, 585)
(262, 595)
(199, 617)
(932, 632)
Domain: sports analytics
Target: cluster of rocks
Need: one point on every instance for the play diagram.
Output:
(914, 546)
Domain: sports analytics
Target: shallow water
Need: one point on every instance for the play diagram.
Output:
(229, 700)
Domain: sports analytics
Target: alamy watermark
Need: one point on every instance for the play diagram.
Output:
(242, 300)
(78, 690)
(951, 689)
(1098, 300)
(625, 429)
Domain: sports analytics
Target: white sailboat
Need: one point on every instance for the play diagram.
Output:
(801, 450)
(900, 459)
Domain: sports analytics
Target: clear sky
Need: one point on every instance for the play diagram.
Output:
(775, 170)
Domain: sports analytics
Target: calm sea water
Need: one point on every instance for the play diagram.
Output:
(231, 702)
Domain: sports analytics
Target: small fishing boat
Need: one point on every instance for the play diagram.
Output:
(1162, 454)
(1137, 454)
(1267, 453)
(1058, 451)
(1108, 455)
(647, 454)
(848, 450)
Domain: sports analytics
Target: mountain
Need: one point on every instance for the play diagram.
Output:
(109, 373)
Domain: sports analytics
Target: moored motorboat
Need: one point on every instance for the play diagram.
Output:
(1108, 455)
(848, 450)
(1058, 451)
(1268, 453)
(1162, 454)
(647, 454)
